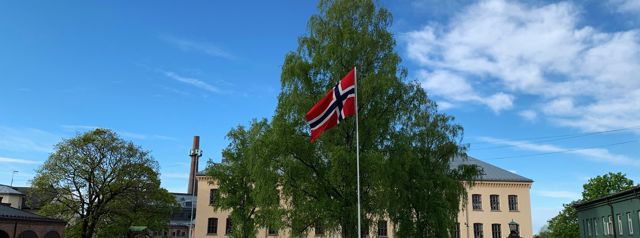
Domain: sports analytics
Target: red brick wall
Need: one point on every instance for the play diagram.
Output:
(40, 228)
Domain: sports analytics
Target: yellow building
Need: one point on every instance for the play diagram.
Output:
(497, 198)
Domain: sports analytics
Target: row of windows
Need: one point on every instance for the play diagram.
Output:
(591, 225)
(173, 233)
(212, 226)
(494, 200)
(478, 232)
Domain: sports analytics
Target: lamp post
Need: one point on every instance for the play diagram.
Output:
(513, 226)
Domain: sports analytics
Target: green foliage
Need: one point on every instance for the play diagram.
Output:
(102, 185)
(406, 145)
(604, 185)
(565, 224)
(245, 184)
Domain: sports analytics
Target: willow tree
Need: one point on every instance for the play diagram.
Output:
(405, 144)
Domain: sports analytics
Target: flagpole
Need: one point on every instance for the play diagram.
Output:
(355, 72)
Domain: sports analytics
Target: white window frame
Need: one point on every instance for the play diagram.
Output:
(630, 223)
(595, 225)
(589, 227)
(621, 231)
(605, 226)
(611, 231)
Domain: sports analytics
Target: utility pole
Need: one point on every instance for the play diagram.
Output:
(12, 174)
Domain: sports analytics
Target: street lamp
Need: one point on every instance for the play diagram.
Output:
(513, 226)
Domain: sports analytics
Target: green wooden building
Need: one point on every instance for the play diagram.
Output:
(615, 215)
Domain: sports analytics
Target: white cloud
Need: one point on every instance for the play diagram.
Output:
(27, 139)
(203, 47)
(126, 134)
(192, 81)
(626, 5)
(455, 88)
(578, 76)
(528, 115)
(594, 154)
(559, 194)
(17, 161)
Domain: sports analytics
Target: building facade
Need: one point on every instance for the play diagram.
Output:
(496, 199)
(17, 223)
(616, 215)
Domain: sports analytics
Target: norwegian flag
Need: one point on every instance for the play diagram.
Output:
(338, 104)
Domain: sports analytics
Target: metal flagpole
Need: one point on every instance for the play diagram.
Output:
(355, 72)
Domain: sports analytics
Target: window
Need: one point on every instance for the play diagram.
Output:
(173, 233)
(456, 231)
(595, 225)
(477, 230)
(495, 202)
(188, 204)
(382, 228)
(589, 227)
(319, 230)
(513, 203)
(477, 201)
(605, 227)
(213, 196)
(271, 231)
(229, 228)
(620, 231)
(630, 223)
(212, 226)
(610, 228)
(495, 231)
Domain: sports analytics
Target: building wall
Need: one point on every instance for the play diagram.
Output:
(466, 216)
(40, 228)
(593, 216)
(14, 199)
(485, 216)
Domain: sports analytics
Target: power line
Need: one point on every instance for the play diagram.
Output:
(554, 138)
(564, 151)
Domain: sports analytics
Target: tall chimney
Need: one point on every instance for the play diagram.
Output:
(195, 154)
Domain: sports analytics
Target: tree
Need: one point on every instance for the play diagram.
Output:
(604, 185)
(246, 186)
(271, 172)
(565, 224)
(102, 185)
(405, 143)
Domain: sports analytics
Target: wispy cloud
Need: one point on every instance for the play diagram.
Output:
(27, 139)
(18, 161)
(594, 154)
(559, 194)
(495, 51)
(198, 46)
(192, 81)
(127, 134)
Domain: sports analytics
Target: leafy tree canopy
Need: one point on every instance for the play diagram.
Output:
(406, 145)
(101, 185)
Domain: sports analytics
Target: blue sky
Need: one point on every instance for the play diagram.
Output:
(548, 90)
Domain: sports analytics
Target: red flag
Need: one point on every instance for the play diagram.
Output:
(338, 104)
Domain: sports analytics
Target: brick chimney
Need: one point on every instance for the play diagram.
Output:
(195, 154)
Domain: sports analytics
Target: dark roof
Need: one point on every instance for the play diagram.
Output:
(7, 212)
(491, 172)
(612, 196)
(4, 189)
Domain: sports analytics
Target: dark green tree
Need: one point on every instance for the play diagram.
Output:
(101, 185)
(565, 224)
(246, 184)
